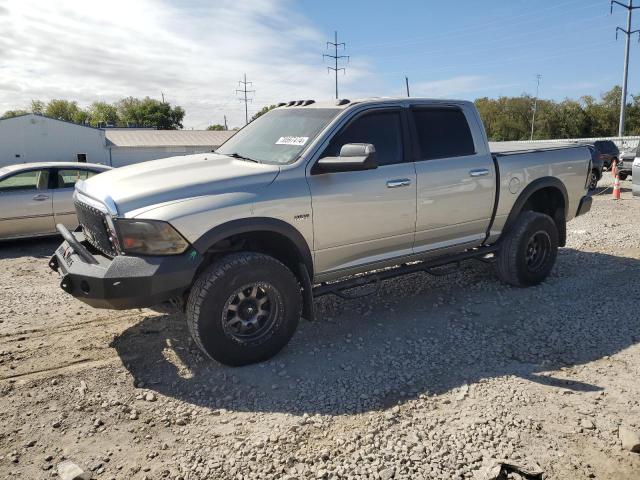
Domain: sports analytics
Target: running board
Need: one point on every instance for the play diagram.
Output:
(374, 278)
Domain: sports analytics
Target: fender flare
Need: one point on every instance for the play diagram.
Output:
(256, 224)
(529, 190)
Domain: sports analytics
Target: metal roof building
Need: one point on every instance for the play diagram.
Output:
(138, 145)
(36, 138)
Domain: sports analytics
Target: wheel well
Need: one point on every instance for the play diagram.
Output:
(270, 243)
(550, 201)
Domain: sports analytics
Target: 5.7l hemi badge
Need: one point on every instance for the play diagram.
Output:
(292, 140)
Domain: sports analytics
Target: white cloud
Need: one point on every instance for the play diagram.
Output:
(85, 50)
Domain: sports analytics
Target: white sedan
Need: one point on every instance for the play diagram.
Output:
(34, 197)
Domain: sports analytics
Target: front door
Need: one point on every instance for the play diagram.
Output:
(363, 217)
(26, 204)
(456, 180)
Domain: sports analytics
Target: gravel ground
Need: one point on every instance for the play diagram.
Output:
(433, 378)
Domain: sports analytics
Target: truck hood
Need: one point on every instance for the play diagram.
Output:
(172, 179)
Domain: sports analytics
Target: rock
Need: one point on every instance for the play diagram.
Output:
(70, 471)
(630, 439)
(587, 424)
(150, 397)
(387, 473)
(82, 389)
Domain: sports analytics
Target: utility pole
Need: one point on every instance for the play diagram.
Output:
(245, 99)
(535, 103)
(623, 100)
(406, 81)
(225, 123)
(162, 93)
(336, 57)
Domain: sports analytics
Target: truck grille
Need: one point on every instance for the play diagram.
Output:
(94, 226)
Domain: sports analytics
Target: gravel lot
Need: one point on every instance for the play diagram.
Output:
(434, 378)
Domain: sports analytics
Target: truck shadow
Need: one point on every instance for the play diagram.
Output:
(417, 335)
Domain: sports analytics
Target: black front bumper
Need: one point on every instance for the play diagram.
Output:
(585, 205)
(123, 281)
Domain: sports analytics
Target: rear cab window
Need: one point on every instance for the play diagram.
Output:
(442, 132)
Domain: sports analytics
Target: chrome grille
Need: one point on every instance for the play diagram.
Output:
(94, 226)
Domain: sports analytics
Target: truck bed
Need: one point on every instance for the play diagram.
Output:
(506, 148)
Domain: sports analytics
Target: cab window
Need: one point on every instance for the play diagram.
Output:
(68, 178)
(381, 129)
(442, 133)
(31, 180)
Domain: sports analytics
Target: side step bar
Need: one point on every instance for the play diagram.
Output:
(429, 266)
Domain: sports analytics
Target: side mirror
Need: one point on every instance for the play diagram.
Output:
(353, 157)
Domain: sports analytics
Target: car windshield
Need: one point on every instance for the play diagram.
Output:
(278, 136)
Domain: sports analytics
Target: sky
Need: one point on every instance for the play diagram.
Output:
(196, 51)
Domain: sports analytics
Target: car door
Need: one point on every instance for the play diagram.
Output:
(26, 204)
(456, 178)
(363, 217)
(63, 208)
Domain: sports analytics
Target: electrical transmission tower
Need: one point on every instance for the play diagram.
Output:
(245, 98)
(535, 103)
(336, 57)
(628, 32)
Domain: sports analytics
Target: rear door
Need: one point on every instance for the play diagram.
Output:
(63, 209)
(26, 204)
(456, 178)
(363, 217)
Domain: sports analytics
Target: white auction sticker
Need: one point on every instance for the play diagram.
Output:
(292, 140)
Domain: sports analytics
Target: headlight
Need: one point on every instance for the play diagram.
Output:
(149, 237)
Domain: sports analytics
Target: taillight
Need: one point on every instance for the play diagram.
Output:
(601, 157)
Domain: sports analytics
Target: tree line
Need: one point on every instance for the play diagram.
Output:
(505, 118)
(127, 112)
(509, 118)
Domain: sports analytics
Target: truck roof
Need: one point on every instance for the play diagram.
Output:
(343, 103)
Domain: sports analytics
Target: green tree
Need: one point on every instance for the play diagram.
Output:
(216, 126)
(148, 112)
(65, 110)
(37, 107)
(264, 110)
(13, 113)
(102, 113)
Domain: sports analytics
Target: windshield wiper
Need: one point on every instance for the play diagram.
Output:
(241, 157)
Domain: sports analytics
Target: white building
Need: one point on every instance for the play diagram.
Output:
(129, 145)
(35, 138)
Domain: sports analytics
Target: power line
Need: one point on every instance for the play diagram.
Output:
(623, 100)
(336, 57)
(535, 103)
(245, 99)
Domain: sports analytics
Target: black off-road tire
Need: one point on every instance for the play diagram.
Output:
(622, 176)
(208, 304)
(516, 262)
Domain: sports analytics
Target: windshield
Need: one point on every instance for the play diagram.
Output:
(278, 136)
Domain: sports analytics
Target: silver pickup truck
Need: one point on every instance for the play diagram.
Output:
(315, 198)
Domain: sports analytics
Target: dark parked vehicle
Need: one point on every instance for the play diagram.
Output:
(608, 152)
(597, 165)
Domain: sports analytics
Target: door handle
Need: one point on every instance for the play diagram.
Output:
(399, 182)
(479, 172)
(41, 197)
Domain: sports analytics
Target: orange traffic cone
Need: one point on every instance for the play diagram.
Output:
(616, 182)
